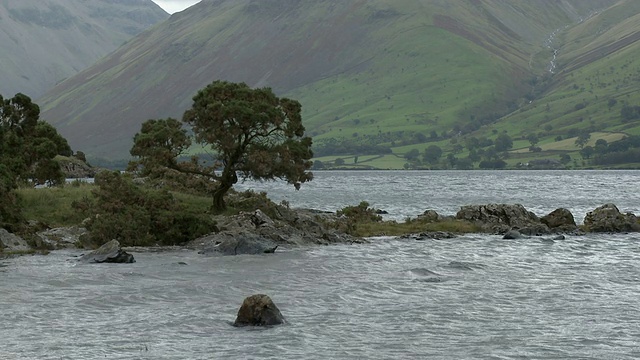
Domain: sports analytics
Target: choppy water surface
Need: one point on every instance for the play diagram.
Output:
(474, 297)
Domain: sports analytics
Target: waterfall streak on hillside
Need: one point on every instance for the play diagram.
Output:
(549, 43)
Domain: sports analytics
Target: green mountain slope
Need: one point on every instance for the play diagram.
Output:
(46, 41)
(597, 75)
(376, 72)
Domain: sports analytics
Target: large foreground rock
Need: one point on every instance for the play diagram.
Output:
(10, 242)
(607, 218)
(110, 252)
(500, 218)
(258, 310)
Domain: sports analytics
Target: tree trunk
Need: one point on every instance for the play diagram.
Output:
(227, 180)
(218, 198)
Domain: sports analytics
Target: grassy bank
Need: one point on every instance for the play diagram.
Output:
(53, 206)
(392, 228)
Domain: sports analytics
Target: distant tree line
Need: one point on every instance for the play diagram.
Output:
(488, 153)
(630, 113)
(626, 150)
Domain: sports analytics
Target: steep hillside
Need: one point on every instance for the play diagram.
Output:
(46, 41)
(594, 90)
(370, 72)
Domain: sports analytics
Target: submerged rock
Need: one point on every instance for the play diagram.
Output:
(607, 218)
(425, 275)
(258, 310)
(110, 252)
(512, 234)
(430, 235)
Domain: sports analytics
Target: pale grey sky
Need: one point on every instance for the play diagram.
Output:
(172, 6)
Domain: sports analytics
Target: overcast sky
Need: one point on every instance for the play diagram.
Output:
(172, 6)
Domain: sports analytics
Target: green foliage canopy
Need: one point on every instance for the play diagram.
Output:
(503, 142)
(27, 148)
(252, 132)
(432, 154)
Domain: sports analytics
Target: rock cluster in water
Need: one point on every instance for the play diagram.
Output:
(514, 220)
(258, 233)
(500, 218)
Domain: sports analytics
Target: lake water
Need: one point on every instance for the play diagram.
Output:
(409, 193)
(474, 297)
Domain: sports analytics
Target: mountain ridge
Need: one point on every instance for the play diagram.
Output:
(46, 41)
(364, 71)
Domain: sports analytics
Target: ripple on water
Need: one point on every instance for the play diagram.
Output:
(500, 299)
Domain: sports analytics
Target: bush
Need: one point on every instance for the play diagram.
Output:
(250, 201)
(360, 213)
(138, 216)
(11, 217)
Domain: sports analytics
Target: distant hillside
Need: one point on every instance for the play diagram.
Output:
(398, 74)
(594, 91)
(46, 41)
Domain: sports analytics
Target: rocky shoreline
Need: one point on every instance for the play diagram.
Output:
(257, 233)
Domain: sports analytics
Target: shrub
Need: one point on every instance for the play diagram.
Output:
(250, 201)
(360, 213)
(138, 216)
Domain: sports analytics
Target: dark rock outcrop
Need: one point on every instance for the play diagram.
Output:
(560, 219)
(238, 244)
(257, 233)
(431, 235)
(500, 218)
(259, 310)
(512, 235)
(110, 252)
(607, 218)
(76, 169)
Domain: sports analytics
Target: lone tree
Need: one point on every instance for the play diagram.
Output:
(251, 132)
(503, 142)
(432, 154)
(583, 139)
